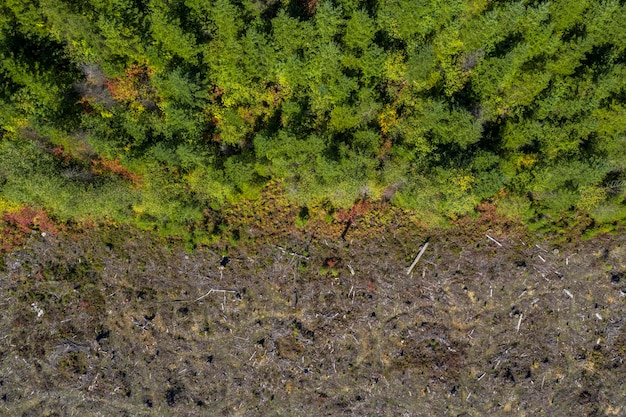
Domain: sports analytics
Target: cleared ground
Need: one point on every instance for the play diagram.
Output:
(116, 322)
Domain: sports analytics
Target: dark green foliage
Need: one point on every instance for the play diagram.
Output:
(446, 103)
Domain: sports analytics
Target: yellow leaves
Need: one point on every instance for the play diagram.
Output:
(228, 100)
(123, 89)
(475, 8)
(395, 67)
(7, 206)
(611, 119)
(591, 197)
(448, 43)
(387, 119)
(134, 87)
(272, 96)
(433, 79)
(139, 209)
(80, 48)
(195, 179)
(448, 47)
(342, 118)
(526, 161)
(15, 124)
(233, 123)
(283, 81)
(464, 181)
(137, 108)
(247, 115)
(217, 115)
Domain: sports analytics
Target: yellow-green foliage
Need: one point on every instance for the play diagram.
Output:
(437, 105)
(7, 206)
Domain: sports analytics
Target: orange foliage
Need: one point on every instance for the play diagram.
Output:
(62, 156)
(18, 225)
(128, 88)
(113, 166)
(27, 219)
(332, 262)
(488, 221)
(358, 209)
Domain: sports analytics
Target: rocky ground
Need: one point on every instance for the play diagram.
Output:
(113, 321)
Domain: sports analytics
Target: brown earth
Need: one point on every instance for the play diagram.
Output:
(113, 321)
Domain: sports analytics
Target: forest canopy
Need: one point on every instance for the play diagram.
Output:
(156, 111)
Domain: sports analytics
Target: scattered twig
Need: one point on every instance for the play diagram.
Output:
(540, 257)
(93, 383)
(494, 241)
(519, 322)
(283, 250)
(569, 294)
(351, 269)
(417, 258)
(211, 291)
(481, 377)
(142, 326)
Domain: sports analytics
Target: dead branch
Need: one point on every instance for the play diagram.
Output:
(494, 241)
(212, 290)
(283, 250)
(417, 258)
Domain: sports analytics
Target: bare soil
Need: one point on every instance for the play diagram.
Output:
(113, 321)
